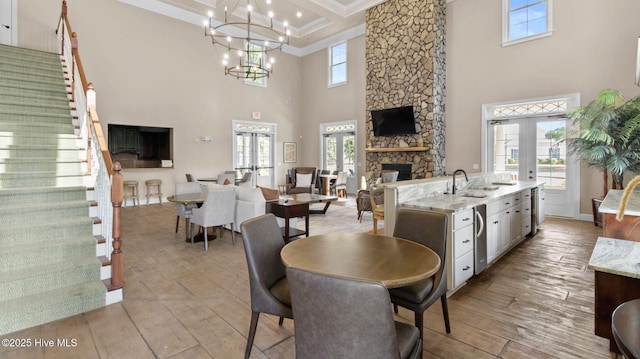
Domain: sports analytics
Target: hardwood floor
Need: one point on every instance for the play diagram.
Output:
(183, 302)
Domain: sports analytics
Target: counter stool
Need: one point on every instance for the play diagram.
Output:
(130, 191)
(153, 189)
(625, 325)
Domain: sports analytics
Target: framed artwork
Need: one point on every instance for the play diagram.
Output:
(290, 152)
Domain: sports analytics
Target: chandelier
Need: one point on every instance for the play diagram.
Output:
(248, 41)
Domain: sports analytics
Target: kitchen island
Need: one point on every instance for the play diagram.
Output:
(617, 280)
(487, 217)
(629, 227)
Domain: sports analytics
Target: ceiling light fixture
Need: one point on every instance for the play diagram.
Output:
(250, 42)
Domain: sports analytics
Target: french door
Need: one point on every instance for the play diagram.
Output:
(338, 147)
(534, 149)
(254, 152)
(7, 16)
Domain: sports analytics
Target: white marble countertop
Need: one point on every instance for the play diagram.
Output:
(458, 202)
(611, 203)
(616, 256)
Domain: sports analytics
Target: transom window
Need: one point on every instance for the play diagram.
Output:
(525, 20)
(338, 64)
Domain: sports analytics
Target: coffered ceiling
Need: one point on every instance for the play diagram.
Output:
(314, 24)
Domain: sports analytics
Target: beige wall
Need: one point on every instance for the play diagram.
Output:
(322, 104)
(171, 77)
(593, 47)
(149, 69)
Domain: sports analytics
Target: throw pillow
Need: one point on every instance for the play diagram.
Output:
(269, 194)
(226, 181)
(303, 179)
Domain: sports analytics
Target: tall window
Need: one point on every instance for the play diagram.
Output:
(254, 57)
(338, 64)
(525, 20)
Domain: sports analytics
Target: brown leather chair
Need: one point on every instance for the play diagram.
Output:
(625, 326)
(430, 230)
(293, 187)
(267, 275)
(341, 318)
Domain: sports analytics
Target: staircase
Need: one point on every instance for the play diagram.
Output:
(48, 264)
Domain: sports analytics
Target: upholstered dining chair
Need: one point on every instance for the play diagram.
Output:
(342, 318)
(340, 185)
(189, 177)
(268, 283)
(184, 210)
(430, 230)
(218, 209)
(226, 177)
(245, 181)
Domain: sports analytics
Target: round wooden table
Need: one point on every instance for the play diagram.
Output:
(394, 262)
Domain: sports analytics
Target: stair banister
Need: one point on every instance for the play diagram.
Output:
(105, 175)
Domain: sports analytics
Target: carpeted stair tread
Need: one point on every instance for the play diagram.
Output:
(14, 96)
(39, 179)
(13, 196)
(34, 139)
(34, 108)
(21, 313)
(41, 211)
(34, 55)
(14, 258)
(38, 122)
(30, 90)
(32, 80)
(44, 231)
(19, 283)
(39, 164)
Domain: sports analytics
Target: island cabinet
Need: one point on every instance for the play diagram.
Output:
(508, 222)
(617, 280)
(462, 241)
(629, 227)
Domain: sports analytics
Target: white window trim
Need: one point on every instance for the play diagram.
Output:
(248, 81)
(505, 25)
(330, 64)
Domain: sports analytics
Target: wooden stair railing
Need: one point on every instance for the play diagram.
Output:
(104, 172)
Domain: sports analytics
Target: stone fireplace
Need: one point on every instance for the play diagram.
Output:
(405, 56)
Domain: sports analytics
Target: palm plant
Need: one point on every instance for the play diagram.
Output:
(608, 136)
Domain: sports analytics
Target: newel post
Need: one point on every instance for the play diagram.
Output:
(117, 257)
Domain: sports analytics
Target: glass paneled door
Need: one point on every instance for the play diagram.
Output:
(534, 149)
(254, 152)
(338, 141)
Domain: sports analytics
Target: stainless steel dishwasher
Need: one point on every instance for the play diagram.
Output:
(480, 242)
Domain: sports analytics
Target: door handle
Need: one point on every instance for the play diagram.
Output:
(6, 26)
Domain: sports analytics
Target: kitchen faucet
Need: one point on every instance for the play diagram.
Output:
(454, 179)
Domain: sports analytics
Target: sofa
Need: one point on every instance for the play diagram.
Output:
(250, 203)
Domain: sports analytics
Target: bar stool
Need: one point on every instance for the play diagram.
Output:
(153, 189)
(625, 325)
(130, 191)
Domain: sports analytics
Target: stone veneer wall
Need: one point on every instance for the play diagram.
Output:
(405, 54)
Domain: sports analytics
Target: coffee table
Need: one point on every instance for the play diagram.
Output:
(313, 198)
(289, 208)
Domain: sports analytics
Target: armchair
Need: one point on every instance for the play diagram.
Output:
(301, 180)
(364, 201)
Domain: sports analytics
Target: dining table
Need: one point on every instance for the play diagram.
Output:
(325, 182)
(394, 262)
(191, 198)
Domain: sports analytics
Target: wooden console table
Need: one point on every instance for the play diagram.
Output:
(287, 209)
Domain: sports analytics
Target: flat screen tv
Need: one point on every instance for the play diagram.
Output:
(393, 121)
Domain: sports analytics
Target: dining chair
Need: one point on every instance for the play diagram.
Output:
(185, 210)
(340, 185)
(189, 177)
(376, 196)
(228, 178)
(245, 181)
(430, 230)
(343, 318)
(268, 282)
(217, 209)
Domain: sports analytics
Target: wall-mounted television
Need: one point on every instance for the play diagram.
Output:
(393, 121)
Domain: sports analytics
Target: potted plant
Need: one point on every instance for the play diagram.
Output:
(608, 138)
